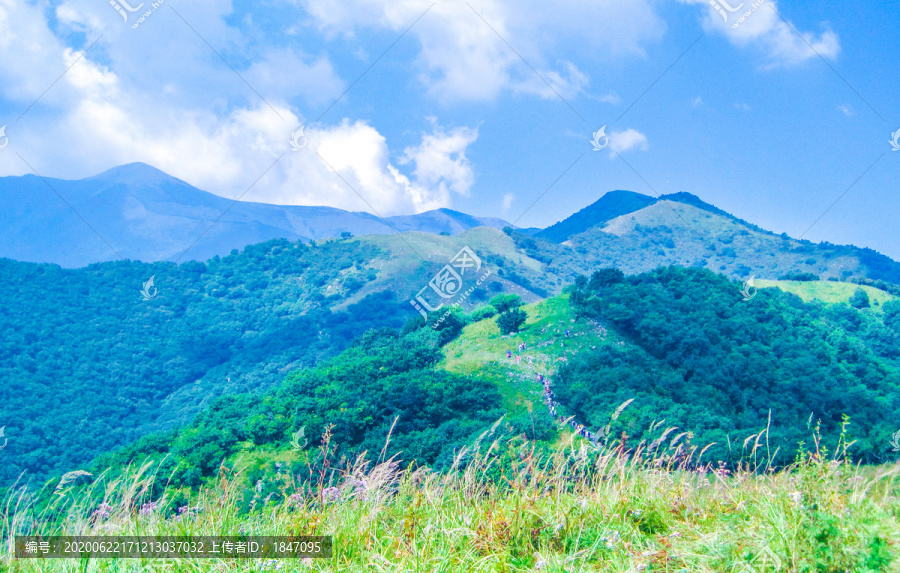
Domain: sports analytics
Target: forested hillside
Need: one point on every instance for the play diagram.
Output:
(694, 357)
(710, 363)
(384, 385)
(89, 365)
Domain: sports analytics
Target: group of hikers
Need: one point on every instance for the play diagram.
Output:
(548, 399)
(520, 350)
(549, 396)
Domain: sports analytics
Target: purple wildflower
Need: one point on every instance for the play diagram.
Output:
(102, 511)
(330, 494)
(148, 508)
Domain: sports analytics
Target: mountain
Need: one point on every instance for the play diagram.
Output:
(608, 207)
(99, 357)
(637, 233)
(618, 203)
(682, 343)
(96, 357)
(144, 214)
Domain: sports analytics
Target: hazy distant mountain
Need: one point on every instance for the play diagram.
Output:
(608, 207)
(637, 233)
(144, 214)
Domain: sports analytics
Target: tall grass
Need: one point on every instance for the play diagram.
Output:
(509, 505)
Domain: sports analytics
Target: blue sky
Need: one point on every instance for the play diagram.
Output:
(480, 106)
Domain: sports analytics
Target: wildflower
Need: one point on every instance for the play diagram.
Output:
(183, 509)
(295, 499)
(330, 494)
(796, 497)
(148, 508)
(102, 511)
(721, 471)
(612, 539)
(540, 562)
(271, 564)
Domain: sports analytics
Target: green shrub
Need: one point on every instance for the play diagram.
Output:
(504, 302)
(511, 320)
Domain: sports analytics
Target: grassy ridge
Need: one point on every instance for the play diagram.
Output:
(827, 291)
(481, 349)
(504, 507)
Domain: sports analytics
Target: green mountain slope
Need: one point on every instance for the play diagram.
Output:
(675, 233)
(87, 365)
(611, 205)
(733, 361)
(681, 343)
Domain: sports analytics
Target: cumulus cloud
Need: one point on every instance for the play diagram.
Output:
(466, 55)
(761, 27)
(621, 141)
(360, 155)
(507, 201)
(221, 143)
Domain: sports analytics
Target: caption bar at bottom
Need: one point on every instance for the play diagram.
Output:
(174, 547)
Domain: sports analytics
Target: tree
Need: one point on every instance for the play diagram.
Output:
(891, 315)
(346, 235)
(511, 320)
(606, 277)
(859, 299)
(504, 302)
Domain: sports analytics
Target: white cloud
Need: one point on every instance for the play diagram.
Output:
(846, 110)
(193, 126)
(697, 101)
(621, 141)
(762, 28)
(507, 201)
(441, 166)
(611, 97)
(360, 155)
(285, 74)
(465, 56)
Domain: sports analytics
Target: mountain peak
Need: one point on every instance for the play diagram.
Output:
(611, 205)
(137, 172)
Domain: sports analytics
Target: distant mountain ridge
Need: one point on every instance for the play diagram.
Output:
(142, 213)
(608, 207)
(618, 203)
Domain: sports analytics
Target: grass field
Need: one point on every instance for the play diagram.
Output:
(504, 507)
(515, 505)
(827, 291)
(481, 349)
